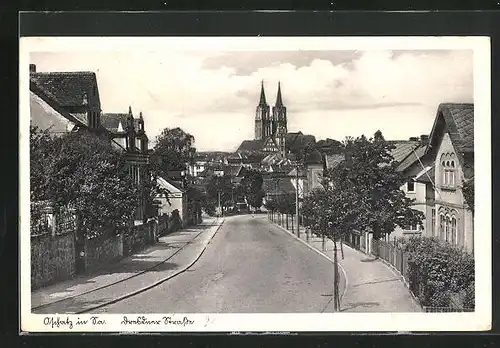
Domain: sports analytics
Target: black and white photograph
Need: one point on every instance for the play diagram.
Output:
(255, 184)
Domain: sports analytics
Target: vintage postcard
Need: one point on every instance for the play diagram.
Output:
(229, 184)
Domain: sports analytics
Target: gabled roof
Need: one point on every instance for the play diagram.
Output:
(412, 157)
(458, 120)
(111, 121)
(45, 116)
(251, 145)
(116, 123)
(314, 157)
(402, 148)
(333, 160)
(69, 89)
(424, 175)
(170, 185)
(295, 141)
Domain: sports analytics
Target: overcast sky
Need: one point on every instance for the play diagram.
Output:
(334, 94)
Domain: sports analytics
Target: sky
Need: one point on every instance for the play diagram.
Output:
(329, 94)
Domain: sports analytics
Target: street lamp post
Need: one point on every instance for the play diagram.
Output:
(297, 198)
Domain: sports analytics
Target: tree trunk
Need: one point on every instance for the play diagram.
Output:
(342, 247)
(286, 217)
(292, 226)
(377, 234)
(336, 297)
(323, 242)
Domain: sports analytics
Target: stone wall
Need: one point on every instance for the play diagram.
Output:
(138, 237)
(52, 259)
(102, 251)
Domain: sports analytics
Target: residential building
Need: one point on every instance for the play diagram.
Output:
(439, 168)
(74, 95)
(404, 153)
(175, 199)
(451, 146)
(128, 134)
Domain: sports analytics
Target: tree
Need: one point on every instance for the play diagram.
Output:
(220, 188)
(41, 153)
(251, 185)
(175, 147)
(373, 183)
(468, 192)
(327, 212)
(83, 171)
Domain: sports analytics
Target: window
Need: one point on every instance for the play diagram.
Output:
(410, 186)
(447, 228)
(441, 226)
(454, 236)
(449, 171)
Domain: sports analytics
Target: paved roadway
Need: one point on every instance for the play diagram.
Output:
(250, 266)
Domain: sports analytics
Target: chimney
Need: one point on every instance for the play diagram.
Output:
(32, 68)
(424, 139)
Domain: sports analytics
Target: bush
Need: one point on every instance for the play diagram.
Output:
(439, 273)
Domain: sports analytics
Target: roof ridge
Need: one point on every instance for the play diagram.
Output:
(64, 73)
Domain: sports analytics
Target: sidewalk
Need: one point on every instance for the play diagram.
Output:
(172, 255)
(371, 285)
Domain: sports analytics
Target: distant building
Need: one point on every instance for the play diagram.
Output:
(175, 199)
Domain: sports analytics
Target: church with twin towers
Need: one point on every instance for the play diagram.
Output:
(270, 126)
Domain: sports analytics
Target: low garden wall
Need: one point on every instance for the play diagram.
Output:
(52, 258)
(102, 251)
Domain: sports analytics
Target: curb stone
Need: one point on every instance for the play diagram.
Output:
(150, 286)
(42, 305)
(322, 254)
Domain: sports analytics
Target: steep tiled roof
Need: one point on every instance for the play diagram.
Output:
(314, 157)
(296, 140)
(169, 184)
(468, 165)
(463, 117)
(412, 157)
(110, 121)
(251, 145)
(46, 117)
(459, 122)
(333, 160)
(424, 178)
(402, 148)
(67, 88)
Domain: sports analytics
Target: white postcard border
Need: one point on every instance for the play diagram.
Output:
(479, 320)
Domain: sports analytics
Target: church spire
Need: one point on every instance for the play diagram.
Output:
(279, 101)
(262, 94)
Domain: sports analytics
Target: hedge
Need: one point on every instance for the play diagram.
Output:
(440, 274)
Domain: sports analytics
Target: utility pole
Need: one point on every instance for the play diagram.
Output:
(218, 198)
